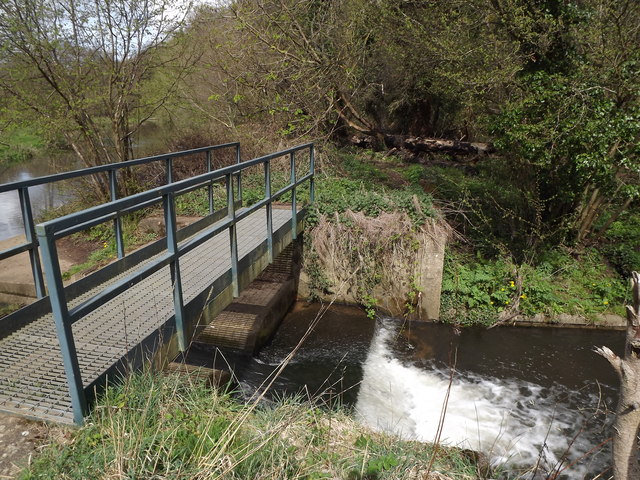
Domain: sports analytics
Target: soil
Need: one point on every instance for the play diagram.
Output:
(75, 250)
(19, 441)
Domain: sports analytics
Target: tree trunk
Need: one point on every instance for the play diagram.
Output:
(615, 216)
(625, 428)
(588, 215)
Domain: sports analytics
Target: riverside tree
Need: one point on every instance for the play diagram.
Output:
(572, 125)
(80, 68)
(627, 423)
(365, 67)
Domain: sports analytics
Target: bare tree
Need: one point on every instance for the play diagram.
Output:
(625, 428)
(371, 67)
(81, 66)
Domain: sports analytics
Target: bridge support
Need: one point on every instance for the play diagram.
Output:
(62, 320)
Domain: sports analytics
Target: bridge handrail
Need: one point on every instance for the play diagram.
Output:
(57, 177)
(22, 187)
(117, 288)
(48, 232)
(77, 218)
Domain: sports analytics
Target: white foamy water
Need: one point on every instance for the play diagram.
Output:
(511, 421)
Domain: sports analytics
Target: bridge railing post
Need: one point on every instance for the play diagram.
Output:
(294, 209)
(239, 174)
(117, 222)
(30, 236)
(269, 208)
(62, 320)
(169, 169)
(233, 238)
(210, 185)
(168, 201)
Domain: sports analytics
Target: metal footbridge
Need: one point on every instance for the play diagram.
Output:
(57, 352)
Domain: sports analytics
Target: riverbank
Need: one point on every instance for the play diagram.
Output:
(164, 426)
(365, 259)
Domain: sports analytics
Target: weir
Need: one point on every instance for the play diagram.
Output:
(56, 353)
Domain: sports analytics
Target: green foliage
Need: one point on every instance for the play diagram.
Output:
(19, 145)
(358, 185)
(6, 309)
(492, 210)
(622, 244)
(196, 203)
(476, 290)
(414, 173)
(569, 139)
(337, 195)
(362, 169)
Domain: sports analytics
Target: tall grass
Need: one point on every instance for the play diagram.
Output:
(164, 426)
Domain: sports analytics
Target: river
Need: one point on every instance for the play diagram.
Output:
(42, 197)
(524, 396)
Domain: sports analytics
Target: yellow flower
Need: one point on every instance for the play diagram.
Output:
(523, 295)
(606, 302)
(502, 289)
(104, 245)
(507, 302)
(491, 303)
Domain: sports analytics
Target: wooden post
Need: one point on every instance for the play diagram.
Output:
(625, 428)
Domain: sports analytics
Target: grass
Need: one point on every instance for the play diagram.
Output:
(19, 145)
(169, 427)
(7, 308)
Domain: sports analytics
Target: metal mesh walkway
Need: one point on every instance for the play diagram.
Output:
(32, 377)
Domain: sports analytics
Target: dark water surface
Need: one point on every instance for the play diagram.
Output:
(516, 391)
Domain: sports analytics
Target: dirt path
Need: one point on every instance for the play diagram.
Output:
(19, 440)
(16, 280)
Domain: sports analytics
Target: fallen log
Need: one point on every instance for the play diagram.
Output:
(419, 145)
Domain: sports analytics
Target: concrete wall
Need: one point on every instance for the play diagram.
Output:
(408, 287)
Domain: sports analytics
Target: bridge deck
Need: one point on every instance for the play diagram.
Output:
(32, 377)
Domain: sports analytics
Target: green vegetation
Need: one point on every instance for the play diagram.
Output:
(101, 240)
(167, 427)
(476, 290)
(622, 244)
(19, 145)
(6, 309)
(499, 267)
(360, 181)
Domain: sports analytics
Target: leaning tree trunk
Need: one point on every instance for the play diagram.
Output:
(625, 428)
